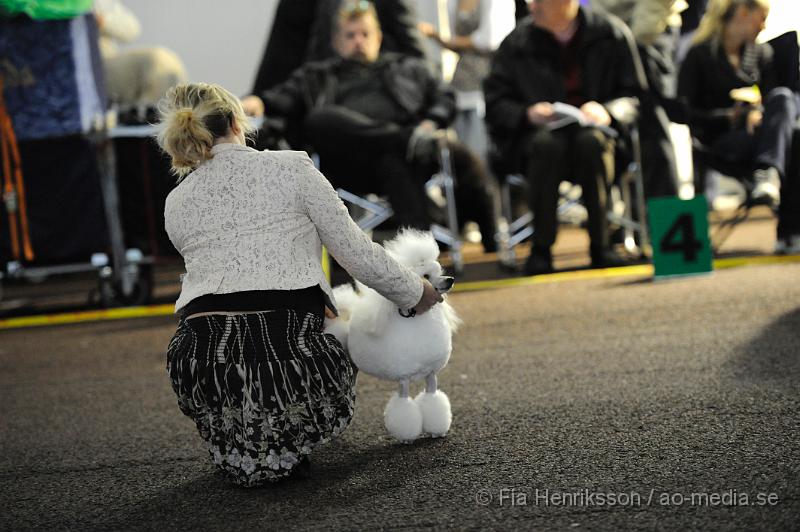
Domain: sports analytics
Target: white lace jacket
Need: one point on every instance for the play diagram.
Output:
(250, 220)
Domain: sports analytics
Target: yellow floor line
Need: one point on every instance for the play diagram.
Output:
(87, 315)
(642, 270)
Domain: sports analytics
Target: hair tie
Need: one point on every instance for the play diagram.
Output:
(184, 114)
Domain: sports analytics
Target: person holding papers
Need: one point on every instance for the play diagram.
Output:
(552, 86)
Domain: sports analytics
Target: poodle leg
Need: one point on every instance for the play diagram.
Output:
(403, 392)
(435, 408)
(402, 415)
(431, 383)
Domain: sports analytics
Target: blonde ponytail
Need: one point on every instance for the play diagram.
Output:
(718, 13)
(192, 117)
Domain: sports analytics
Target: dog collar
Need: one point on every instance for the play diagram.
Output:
(410, 313)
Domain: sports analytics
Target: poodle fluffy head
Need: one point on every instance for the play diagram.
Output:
(418, 251)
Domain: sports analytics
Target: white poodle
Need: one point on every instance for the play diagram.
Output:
(393, 344)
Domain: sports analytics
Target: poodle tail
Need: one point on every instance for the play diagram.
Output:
(346, 298)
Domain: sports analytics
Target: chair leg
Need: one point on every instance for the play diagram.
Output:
(450, 235)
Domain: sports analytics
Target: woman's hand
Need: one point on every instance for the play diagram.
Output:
(428, 30)
(429, 297)
(754, 118)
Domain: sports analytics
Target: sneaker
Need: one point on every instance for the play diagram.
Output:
(539, 262)
(767, 187)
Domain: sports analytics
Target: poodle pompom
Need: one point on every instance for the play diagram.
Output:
(403, 418)
(436, 415)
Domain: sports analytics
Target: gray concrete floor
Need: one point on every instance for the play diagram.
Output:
(651, 392)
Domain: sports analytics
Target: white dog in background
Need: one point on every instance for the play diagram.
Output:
(388, 343)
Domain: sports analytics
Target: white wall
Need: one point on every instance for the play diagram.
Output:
(784, 15)
(220, 42)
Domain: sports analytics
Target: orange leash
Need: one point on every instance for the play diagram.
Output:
(14, 189)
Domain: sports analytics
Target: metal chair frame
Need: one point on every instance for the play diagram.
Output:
(377, 210)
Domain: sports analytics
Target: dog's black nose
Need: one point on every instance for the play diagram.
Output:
(446, 283)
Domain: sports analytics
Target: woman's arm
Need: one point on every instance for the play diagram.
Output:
(365, 260)
(692, 85)
(496, 21)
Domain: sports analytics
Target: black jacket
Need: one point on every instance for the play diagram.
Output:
(706, 78)
(407, 79)
(526, 70)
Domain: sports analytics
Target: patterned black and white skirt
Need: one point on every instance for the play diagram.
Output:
(263, 389)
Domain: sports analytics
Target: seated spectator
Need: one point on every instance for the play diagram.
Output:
(375, 121)
(734, 121)
(563, 54)
(654, 25)
(135, 78)
(301, 32)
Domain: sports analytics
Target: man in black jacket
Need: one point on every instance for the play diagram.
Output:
(562, 54)
(376, 121)
(301, 32)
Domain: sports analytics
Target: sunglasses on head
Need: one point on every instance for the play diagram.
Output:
(356, 6)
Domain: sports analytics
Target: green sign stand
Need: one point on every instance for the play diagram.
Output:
(679, 230)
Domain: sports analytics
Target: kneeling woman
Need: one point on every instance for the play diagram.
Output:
(249, 362)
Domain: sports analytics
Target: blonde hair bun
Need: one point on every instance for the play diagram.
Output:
(191, 117)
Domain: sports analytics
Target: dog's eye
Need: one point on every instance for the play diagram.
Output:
(426, 276)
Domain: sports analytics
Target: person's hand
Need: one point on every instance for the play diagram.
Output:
(429, 298)
(427, 29)
(754, 118)
(329, 313)
(540, 113)
(735, 113)
(253, 106)
(596, 113)
(428, 125)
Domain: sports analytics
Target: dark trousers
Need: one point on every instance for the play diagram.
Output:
(582, 155)
(789, 210)
(770, 144)
(364, 155)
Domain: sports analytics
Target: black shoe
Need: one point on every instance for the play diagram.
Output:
(539, 262)
(489, 245)
(303, 468)
(607, 259)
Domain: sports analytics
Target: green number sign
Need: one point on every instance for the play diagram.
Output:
(679, 229)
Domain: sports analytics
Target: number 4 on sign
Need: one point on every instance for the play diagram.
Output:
(680, 236)
(680, 239)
